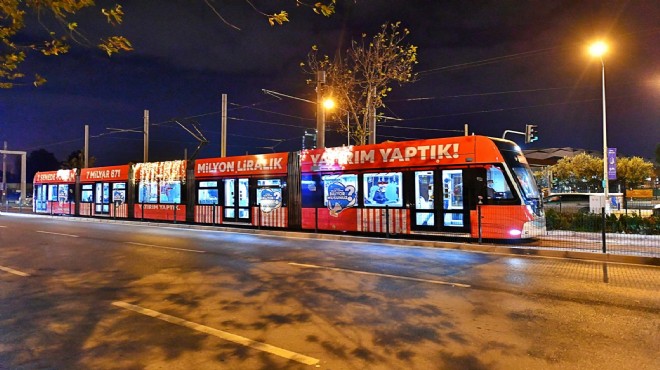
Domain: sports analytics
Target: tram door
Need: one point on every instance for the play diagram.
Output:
(102, 198)
(454, 212)
(41, 198)
(443, 200)
(237, 200)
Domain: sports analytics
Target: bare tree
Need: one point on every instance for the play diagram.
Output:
(360, 79)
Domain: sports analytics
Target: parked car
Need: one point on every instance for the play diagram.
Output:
(567, 202)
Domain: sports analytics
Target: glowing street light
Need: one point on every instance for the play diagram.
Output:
(598, 49)
(328, 103)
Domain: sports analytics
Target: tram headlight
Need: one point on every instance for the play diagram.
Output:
(515, 232)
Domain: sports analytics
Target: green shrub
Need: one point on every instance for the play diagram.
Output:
(590, 222)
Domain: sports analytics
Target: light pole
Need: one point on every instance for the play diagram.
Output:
(329, 104)
(598, 49)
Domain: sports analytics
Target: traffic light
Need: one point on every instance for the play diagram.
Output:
(531, 133)
(309, 139)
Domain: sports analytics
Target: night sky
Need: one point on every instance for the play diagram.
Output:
(495, 65)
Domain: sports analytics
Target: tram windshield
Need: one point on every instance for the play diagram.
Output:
(522, 173)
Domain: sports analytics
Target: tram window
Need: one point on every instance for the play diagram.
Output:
(348, 182)
(148, 192)
(269, 194)
(52, 193)
(87, 193)
(243, 194)
(498, 188)
(170, 192)
(119, 192)
(454, 219)
(382, 189)
(63, 193)
(312, 191)
(424, 190)
(452, 181)
(99, 193)
(207, 192)
(229, 195)
(208, 196)
(425, 219)
(269, 182)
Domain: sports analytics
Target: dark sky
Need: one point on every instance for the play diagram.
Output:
(495, 65)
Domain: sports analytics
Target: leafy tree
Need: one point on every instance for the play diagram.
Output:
(633, 171)
(40, 160)
(60, 30)
(579, 171)
(360, 79)
(76, 160)
(587, 169)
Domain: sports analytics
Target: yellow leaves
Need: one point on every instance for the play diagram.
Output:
(115, 44)
(38, 80)
(114, 16)
(278, 18)
(325, 9)
(55, 47)
(315, 47)
(72, 26)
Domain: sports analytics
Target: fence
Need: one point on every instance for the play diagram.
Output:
(625, 232)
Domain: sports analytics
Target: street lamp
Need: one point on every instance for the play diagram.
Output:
(330, 104)
(598, 49)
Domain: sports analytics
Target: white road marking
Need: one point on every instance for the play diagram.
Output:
(60, 234)
(459, 285)
(3, 226)
(163, 247)
(15, 272)
(220, 334)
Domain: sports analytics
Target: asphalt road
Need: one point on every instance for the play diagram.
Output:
(87, 295)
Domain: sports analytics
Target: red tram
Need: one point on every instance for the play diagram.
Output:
(469, 186)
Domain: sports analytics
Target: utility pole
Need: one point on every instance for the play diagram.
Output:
(86, 164)
(320, 112)
(146, 136)
(372, 116)
(223, 131)
(4, 175)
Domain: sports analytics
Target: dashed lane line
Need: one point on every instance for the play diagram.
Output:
(458, 285)
(163, 247)
(15, 272)
(60, 234)
(260, 346)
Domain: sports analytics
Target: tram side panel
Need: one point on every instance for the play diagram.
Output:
(160, 191)
(246, 190)
(54, 192)
(103, 191)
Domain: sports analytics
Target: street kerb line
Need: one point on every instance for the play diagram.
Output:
(15, 272)
(440, 282)
(163, 247)
(60, 234)
(260, 346)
